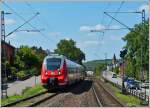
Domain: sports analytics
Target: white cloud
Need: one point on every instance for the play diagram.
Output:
(9, 21)
(88, 28)
(145, 7)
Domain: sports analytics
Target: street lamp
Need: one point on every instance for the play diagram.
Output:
(122, 55)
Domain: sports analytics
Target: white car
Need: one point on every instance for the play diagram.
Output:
(145, 84)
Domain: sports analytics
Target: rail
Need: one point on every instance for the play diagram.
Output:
(111, 95)
(24, 99)
(38, 98)
(96, 96)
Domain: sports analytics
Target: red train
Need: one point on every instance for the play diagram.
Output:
(58, 70)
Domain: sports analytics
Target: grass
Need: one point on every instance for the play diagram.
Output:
(29, 91)
(129, 100)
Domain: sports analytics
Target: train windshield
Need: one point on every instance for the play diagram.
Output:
(53, 63)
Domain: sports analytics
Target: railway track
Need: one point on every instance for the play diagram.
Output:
(33, 100)
(104, 97)
(96, 97)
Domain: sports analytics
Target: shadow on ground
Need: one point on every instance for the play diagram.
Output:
(77, 88)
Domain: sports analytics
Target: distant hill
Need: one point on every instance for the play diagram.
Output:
(94, 63)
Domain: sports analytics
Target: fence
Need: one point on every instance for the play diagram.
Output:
(140, 95)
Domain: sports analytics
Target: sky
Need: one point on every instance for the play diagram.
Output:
(73, 20)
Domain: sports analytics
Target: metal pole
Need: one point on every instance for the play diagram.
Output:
(35, 80)
(123, 86)
(105, 59)
(4, 78)
(143, 20)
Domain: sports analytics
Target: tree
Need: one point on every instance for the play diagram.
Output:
(114, 59)
(28, 56)
(68, 48)
(134, 40)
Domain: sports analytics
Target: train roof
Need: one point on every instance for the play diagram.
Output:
(62, 57)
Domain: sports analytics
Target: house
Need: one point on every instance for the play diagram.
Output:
(10, 51)
(109, 67)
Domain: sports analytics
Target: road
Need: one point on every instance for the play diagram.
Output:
(118, 80)
(18, 86)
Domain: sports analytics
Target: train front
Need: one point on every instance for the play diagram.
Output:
(53, 72)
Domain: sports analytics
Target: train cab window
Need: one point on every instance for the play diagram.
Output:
(53, 63)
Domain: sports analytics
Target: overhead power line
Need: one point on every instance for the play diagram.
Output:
(123, 12)
(22, 25)
(102, 22)
(34, 10)
(22, 18)
(107, 7)
(118, 21)
(115, 13)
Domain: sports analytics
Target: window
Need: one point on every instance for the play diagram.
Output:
(53, 63)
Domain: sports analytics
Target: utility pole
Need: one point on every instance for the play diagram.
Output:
(122, 55)
(142, 72)
(4, 54)
(106, 59)
(106, 65)
(4, 74)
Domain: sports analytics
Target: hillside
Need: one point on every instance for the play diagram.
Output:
(95, 63)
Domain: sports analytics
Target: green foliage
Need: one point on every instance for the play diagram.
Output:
(95, 63)
(20, 74)
(134, 40)
(32, 90)
(13, 71)
(28, 56)
(116, 70)
(27, 62)
(29, 91)
(129, 100)
(99, 69)
(68, 48)
(34, 71)
(10, 99)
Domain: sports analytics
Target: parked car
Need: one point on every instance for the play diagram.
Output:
(130, 79)
(133, 84)
(145, 85)
(114, 76)
(125, 78)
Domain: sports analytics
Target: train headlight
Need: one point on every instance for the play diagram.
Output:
(46, 73)
(59, 72)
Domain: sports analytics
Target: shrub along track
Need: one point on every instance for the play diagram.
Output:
(106, 98)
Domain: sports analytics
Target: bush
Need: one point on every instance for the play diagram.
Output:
(34, 71)
(116, 70)
(13, 71)
(20, 74)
